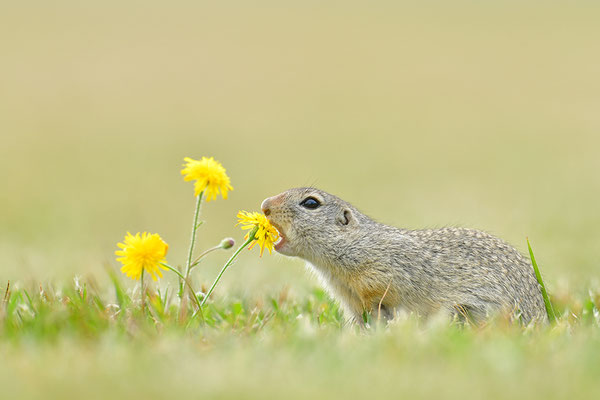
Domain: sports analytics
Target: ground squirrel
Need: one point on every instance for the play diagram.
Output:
(371, 267)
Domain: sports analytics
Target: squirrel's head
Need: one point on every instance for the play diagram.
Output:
(309, 221)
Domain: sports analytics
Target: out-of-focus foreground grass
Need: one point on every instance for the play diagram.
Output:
(75, 341)
(479, 115)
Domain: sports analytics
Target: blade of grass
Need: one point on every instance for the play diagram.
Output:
(538, 276)
(30, 301)
(7, 291)
(122, 298)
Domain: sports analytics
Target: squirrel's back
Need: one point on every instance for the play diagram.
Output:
(370, 266)
(476, 272)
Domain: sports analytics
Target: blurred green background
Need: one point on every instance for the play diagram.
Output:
(442, 113)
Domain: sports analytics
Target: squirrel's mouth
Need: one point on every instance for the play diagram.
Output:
(279, 244)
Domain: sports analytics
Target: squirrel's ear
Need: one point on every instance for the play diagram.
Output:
(345, 217)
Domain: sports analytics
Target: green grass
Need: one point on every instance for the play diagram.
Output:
(83, 340)
(538, 276)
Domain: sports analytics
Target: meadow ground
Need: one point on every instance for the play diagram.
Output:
(425, 115)
(70, 342)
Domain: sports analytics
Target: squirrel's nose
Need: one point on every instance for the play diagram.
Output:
(271, 203)
(266, 206)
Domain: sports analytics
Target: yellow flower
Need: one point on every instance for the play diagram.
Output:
(209, 175)
(144, 252)
(265, 236)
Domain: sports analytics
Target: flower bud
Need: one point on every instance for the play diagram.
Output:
(227, 243)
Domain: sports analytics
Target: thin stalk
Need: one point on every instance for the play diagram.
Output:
(538, 276)
(184, 280)
(142, 290)
(228, 263)
(193, 240)
(204, 253)
(190, 254)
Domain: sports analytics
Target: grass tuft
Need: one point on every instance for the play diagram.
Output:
(278, 345)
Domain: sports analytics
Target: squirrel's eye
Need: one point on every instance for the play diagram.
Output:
(310, 202)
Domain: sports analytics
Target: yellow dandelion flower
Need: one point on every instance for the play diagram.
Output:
(144, 252)
(209, 175)
(265, 236)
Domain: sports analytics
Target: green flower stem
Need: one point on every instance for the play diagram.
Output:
(185, 280)
(204, 253)
(142, 290)
(228, 263)
(193, 240)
